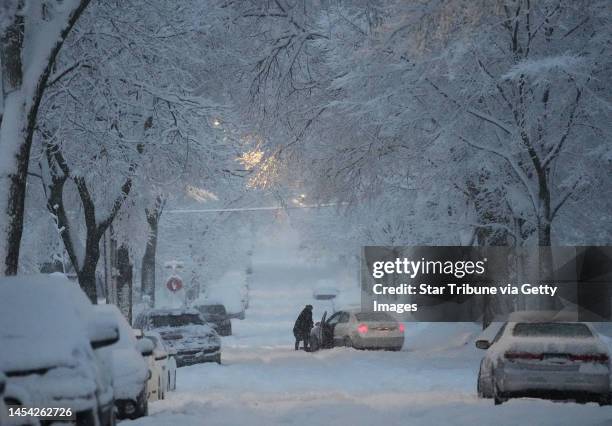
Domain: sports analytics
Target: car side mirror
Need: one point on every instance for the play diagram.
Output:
(145, 346)
(159, 355)
(102, 331)
(483, 344)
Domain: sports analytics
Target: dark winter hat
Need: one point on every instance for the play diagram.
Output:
(309, 307)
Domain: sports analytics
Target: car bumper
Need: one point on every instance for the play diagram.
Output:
(378, 342)
(588, 379)
(82, 418)
(224, 329)
(107, 414)
(131, 408)
(197, 357)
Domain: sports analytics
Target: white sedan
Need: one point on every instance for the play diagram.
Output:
(165, 364)
(557, 360)
(360, 330)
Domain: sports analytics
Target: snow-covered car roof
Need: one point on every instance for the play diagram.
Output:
(43, 320)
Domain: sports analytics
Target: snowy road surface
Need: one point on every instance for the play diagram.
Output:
(263, 381)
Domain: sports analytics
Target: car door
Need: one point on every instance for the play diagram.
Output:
(332, 322)
(341, 330)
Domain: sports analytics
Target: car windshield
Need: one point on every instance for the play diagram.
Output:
(374, 316)
(176, 320)
(551, 330)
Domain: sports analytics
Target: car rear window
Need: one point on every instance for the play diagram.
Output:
(551, 330)
(176, 320)
(374, 316)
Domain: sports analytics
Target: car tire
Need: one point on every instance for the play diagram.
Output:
(481, 388)
(498, 397)
(348, 342)
(605, 400)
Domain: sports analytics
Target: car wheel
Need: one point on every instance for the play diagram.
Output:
(482, 389)
(605, 399)
(498, 397)
(348, 342)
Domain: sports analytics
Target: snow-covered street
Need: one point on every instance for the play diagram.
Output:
(263, 381)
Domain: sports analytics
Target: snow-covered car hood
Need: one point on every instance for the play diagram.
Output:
(57, 387)
(21, 353)
(189, 337)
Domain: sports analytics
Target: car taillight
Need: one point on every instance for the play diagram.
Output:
(402, 327)
(523, 355)
(362, 328)
(603, 358)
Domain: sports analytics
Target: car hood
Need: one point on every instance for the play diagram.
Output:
(57, 386)
(21, 353)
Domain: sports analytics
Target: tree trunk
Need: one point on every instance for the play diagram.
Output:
(12, 140)
(124, 282)
(87, 279)
(20, 109)
(148, 260)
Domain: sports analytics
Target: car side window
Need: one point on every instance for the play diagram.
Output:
(334, 319)
(499, 334)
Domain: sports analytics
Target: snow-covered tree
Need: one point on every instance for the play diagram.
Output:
(32, 35)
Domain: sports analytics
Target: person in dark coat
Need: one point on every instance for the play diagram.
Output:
(301, 329)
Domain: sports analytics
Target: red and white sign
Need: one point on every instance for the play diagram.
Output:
(174, 284)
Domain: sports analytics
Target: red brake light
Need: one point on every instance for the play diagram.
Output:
(523, 355)
(362, 328)
(603, 358)
(402, 327)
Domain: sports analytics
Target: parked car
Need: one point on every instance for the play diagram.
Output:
(49, 343)
(154, 387)
(555, 360)
(129, 368)
(184, 331)
(165, 364)
(216, 315)
(356, 329)
(4, 418)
